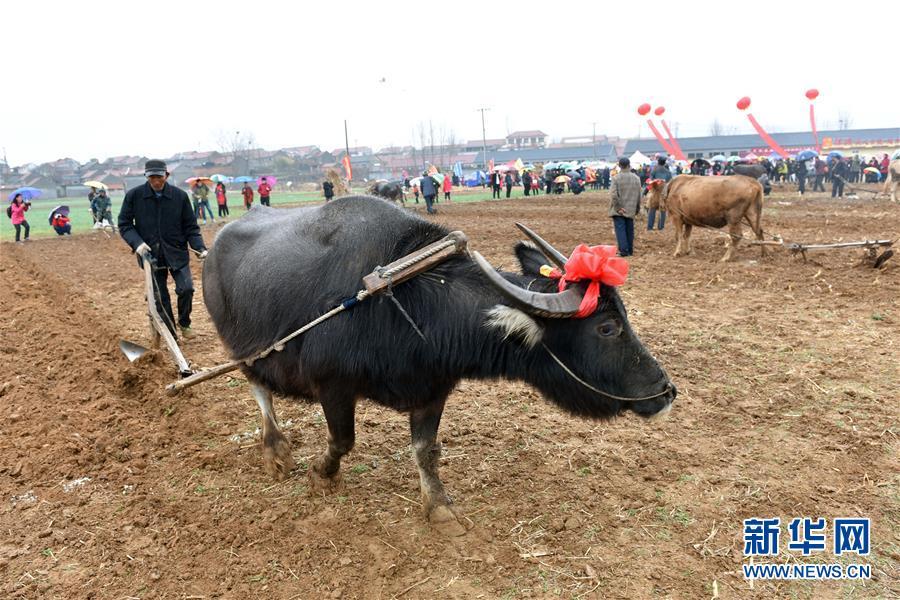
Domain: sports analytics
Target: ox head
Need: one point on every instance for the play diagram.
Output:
(593, 366)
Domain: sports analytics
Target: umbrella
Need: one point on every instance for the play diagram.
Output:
(718, 157)
(193, 180)
(415, 181)
(549, 165)
(243, 179)
(438, 177)
(872, 170)
(28, 193)
(95, 184)
(775, 156)
(269, 179)
(61, 209)
(734, 159)
(835, 154)
(701, 162)
(219, 178)
(561, 179)
(807, 154)
(895, 155)
(751, 156)
(501, 168)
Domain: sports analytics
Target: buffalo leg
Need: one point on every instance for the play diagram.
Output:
(423, 425)
(339, 412)
(277, 458)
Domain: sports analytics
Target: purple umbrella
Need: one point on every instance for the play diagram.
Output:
(62, 209)
(269, 179)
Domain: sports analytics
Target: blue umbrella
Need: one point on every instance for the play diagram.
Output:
(807, 154)
(28, 193)
(835, 153)
(244, 179)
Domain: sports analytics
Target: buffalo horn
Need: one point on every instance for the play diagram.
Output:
(554, 306)
(546, 249)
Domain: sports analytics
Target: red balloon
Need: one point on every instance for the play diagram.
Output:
(659, 111)
(812, 94)
(743, 103)
(643, 109)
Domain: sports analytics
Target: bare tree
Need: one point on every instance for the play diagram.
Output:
(715, 128)
(239, 145)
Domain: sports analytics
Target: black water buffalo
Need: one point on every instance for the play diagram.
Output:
(390, 190)
(274, 270)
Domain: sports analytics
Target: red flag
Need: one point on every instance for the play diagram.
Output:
(347, 168)
(490, 165)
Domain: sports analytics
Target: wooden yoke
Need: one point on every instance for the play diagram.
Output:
(382, 277)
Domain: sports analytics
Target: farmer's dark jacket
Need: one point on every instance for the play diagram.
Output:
(167, 225)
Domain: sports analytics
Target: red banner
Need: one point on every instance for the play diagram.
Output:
(347, 168)
(675, 145)
(662, 141)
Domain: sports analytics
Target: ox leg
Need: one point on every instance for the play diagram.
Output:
(686, 238)
(894, 187)
(340, 410)
(423, 425)
(678, 225)
(277, 458)
(734, 234)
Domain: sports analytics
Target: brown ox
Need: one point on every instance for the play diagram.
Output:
(710, 202)
(893, 179)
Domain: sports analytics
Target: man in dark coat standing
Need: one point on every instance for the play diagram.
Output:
(158, 223)
(429, 190)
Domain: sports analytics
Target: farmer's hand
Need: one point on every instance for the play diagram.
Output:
(203, 254)
(621, 211)
(143, 250)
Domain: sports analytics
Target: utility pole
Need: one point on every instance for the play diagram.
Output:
(483, 138)
(594, 140)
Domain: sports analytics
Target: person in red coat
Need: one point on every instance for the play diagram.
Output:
(247, 192)
(447, 186)
(61, 224)
(264, 190)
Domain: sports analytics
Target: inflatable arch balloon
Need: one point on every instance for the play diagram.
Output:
(744, 104)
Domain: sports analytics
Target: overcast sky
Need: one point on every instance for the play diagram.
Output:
(98, 79)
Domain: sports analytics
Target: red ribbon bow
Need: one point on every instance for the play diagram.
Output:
(597, 264)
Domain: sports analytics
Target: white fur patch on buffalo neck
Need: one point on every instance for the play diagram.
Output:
(515, 323)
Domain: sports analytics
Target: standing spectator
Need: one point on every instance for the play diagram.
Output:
(606, 177)
(535, 185)
(247, 193)
(429, 191)
(883, 168)
(508, 180)
(801, 176)
(854, 168)
(103, 209)
(660, 171)
(495, 184)
(624, 204)
(157, 222)
(91, 199)
(526, 183)
(415, 189)
(447, 187)
(200, 196)
(264, 191)
(61, 224)
(819, 183)
(221, 199)
(16, 212)
(838, 173)
(328, 190)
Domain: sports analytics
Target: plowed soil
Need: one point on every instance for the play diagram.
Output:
(789, 406)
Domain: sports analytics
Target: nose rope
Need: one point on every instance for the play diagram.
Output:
(595, 390)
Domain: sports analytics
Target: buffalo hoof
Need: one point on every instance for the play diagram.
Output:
(446, 521)
(324, 483)
(277, 459)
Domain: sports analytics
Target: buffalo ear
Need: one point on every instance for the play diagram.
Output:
(530, 258)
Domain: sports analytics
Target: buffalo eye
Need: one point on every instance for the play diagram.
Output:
(609, 328)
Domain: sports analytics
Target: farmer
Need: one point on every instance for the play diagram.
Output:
(103, 208)
(200, 195)
(328, 190)
(662, 172)
(624, 204)
(157, 222)
(221, 199)
(17, 213)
